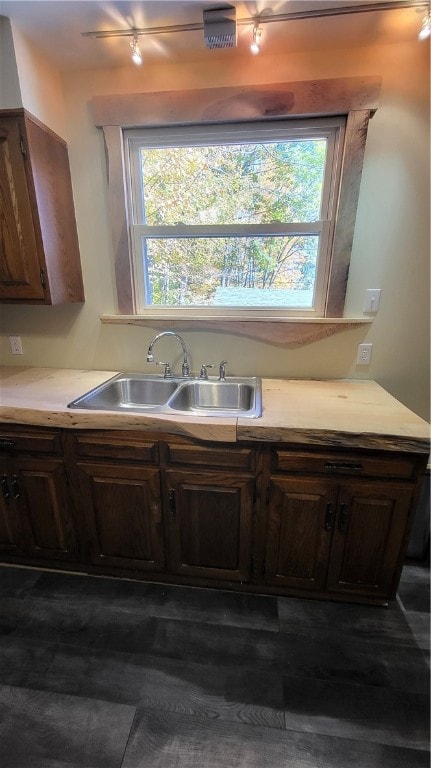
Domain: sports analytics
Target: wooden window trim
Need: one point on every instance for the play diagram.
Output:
(356, 97)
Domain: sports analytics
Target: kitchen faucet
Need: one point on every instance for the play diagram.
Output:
(185, 368)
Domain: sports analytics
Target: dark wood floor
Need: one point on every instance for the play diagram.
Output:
(108, 673)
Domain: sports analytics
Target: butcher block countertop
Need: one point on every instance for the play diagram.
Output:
(336, 413)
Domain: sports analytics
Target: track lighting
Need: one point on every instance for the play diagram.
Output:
(425, 30)
(136, 51)
(255, 43)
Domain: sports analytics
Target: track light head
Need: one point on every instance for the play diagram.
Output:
(136, 51)
(257, 34)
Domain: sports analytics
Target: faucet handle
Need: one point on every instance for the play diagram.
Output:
(168, 373)
(222, 370)
(204, 373)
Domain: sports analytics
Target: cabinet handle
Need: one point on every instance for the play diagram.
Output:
(16, 492)
(329, 519)
(343, 466)
(6, 442)
(342, 522)
(172, 504)
(4, 487)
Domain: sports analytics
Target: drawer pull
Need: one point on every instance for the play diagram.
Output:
(6, 442)
(329, 519)
(16, 492)
(343, 466)
(4, 487)
(342, 522)
(172, 504)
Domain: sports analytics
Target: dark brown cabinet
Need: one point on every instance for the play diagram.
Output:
(369, 531)
(121, 510)
(329, 524)
(36, 516)
(209, 524)
(342, 538)
(39, 252)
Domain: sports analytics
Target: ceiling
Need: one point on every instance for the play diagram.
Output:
(56, 27)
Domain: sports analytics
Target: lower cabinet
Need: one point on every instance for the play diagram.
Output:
(209, 524)
(281, 519)
(36, 518)
(121, 515)
(341, 538)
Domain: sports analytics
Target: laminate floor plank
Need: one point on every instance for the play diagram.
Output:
(381, 715)
(364, 622)
(45, 730)
(16, 582)
(167, 740)
(155, 683)
(74, 624)
(344, 660)
(414, 596)
(161, 600)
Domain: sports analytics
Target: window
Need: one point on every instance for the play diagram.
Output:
(237, 219)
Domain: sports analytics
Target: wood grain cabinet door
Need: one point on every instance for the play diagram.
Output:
(209, 523)
(11, 537)
(368, 536)
(301, 514)
(19, 262)
(40, 494)
(121, 510)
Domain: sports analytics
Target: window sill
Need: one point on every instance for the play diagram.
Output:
(294, 331)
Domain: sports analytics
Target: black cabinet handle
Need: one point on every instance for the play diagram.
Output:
(16, 492)
(342, 522)
(4, 487)
(6, 442)
(172, 504)
(343, 466)
(329, 519)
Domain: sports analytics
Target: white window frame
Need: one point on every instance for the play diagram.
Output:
(332, 129)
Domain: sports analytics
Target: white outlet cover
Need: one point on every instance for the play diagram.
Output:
(364, 354)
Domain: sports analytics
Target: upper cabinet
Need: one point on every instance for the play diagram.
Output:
(39, 251)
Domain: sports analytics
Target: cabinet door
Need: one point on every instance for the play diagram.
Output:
(19, 263)
(368, 536)
(40, 494)
(300, 518)
(209, 524)
(122, 512)
(11, 538)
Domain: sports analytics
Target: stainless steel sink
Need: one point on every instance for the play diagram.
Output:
(214, 396)
(234, 397)
(127, 392)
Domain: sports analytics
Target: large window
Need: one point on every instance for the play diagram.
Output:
(234, 218)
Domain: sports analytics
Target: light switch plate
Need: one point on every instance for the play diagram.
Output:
(372, 300)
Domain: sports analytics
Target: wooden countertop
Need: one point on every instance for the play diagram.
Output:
(345, 413)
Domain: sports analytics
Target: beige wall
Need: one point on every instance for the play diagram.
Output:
(391, 246)
(10, 93)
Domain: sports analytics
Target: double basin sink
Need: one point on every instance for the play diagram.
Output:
(234, 397)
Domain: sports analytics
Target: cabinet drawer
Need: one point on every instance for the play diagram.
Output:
(351, 464)
(117, 447)
(30, 442)
(215, 455)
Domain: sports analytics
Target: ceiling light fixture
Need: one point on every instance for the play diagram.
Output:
(257, 34)
(136, 51)
(425, 30)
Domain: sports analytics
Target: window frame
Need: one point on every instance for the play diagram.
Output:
(357, 98)
(331, 129)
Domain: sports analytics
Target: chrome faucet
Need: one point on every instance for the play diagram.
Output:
(222, 370)
(185, 368)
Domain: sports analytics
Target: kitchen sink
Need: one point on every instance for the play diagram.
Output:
(241, 397)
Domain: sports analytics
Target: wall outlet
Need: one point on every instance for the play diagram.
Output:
(372, 300)
(15, 345)
(364, 354)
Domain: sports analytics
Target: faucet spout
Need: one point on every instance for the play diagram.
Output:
(185, 368)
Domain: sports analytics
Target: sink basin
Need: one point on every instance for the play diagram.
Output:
(235, 397)
(217, 396)
(127, 393)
